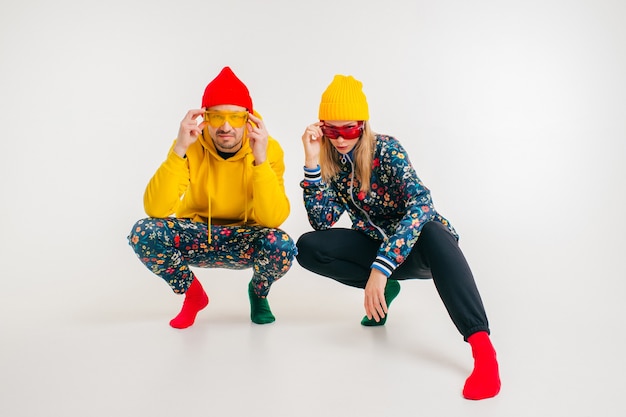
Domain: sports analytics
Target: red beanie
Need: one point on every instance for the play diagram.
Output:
(226, 88)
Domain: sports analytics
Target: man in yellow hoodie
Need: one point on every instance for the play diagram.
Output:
(217, 202)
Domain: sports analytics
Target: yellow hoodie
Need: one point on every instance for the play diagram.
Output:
(205, 187)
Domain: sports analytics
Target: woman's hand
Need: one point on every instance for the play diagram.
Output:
(375, 303)
(311, 140)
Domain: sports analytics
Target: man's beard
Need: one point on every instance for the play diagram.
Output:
(226, 146)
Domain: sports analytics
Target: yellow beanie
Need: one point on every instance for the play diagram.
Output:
(344, 100)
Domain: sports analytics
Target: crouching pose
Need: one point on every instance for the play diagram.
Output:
(396, 232)
(222, 181)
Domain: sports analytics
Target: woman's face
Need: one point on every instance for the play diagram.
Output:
(343, 134)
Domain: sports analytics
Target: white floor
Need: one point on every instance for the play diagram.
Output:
(101, 346)
(512, 112)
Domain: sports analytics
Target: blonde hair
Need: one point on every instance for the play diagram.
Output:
(363, 154)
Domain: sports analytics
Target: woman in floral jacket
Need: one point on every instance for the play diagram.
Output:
(396, 232)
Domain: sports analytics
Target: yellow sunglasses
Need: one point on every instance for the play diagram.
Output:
(218, 118)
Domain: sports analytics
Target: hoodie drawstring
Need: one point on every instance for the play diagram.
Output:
(245, 182)
(208, 174)
(245, 160)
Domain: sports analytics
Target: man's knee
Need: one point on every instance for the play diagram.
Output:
(136, 232)
(283, 243)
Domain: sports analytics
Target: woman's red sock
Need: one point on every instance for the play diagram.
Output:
(195, 300)
(484, 382)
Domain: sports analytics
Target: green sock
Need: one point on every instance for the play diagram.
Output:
(391, 291)
(260, 312)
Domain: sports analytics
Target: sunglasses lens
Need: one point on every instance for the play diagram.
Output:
(235, 119)
(352, 132)
(329, 132)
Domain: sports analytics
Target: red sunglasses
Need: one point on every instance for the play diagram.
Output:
(346, 132)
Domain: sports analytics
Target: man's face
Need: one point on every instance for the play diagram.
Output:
(226, 137)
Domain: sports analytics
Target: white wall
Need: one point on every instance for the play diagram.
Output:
(513, 113)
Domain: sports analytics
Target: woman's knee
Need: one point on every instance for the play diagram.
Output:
(308, 249)
(436, 230)
(304, 242)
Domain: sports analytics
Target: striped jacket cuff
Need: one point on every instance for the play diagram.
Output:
(313, 174)
(384, 265)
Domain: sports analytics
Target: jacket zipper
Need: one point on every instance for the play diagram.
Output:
(343, 158)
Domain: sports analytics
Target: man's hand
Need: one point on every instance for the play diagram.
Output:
(189, 131)
(375, 303)
(257, 136)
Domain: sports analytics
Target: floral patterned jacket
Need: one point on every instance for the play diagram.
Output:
(394, 211)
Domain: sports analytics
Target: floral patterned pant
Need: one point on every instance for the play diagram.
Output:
(169, 246)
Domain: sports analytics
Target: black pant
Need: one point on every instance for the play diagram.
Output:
(347, 255)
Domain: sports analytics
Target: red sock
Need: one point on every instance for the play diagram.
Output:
(195, 300)
(484, 382)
